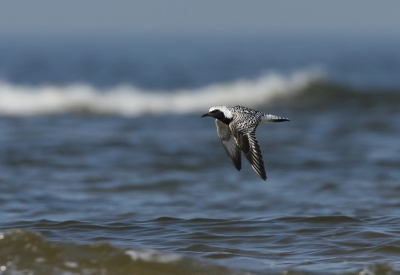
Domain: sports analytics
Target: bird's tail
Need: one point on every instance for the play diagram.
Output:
(268, 118)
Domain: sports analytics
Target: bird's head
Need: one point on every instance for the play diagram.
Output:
(221, 113)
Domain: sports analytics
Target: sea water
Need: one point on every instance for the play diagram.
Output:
(108, 168)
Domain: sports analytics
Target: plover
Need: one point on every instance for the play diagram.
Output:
(236, 127)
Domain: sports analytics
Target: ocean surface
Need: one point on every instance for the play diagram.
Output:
(106, 166)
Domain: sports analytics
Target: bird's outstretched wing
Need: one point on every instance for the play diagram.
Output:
(229, 143)
(251, 149)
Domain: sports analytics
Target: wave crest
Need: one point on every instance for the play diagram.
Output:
(27, 252)
(133, 101)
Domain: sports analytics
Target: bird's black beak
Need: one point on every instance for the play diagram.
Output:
(205, 115)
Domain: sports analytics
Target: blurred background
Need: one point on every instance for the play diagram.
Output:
(101, 138)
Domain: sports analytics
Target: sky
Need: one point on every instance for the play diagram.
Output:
(205, 17)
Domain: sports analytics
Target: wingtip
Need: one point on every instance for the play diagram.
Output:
(238, 166)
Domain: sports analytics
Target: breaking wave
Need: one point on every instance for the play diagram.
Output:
(127, 100)
(27, 252)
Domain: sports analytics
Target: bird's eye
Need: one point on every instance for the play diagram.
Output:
(214, 111)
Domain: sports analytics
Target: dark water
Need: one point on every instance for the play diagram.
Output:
(91, 190)
(170, 63)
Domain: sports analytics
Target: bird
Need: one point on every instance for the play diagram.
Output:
(236, 127)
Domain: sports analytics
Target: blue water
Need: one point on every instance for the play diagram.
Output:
(106, 166)
(171, 63)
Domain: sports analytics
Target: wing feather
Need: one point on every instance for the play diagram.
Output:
(229, 143)
(250, 147)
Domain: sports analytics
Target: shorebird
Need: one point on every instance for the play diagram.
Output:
(236, 127)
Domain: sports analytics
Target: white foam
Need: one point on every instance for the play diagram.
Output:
(71, 264)
(133, 101)
(150, 255)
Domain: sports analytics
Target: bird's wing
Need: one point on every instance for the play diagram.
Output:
(249, 145)
(229, 143)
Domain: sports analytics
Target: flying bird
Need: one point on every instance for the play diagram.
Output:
(236, 127)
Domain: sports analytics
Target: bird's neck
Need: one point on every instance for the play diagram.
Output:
(225, 120)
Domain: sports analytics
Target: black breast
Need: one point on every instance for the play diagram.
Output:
(220, 116)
